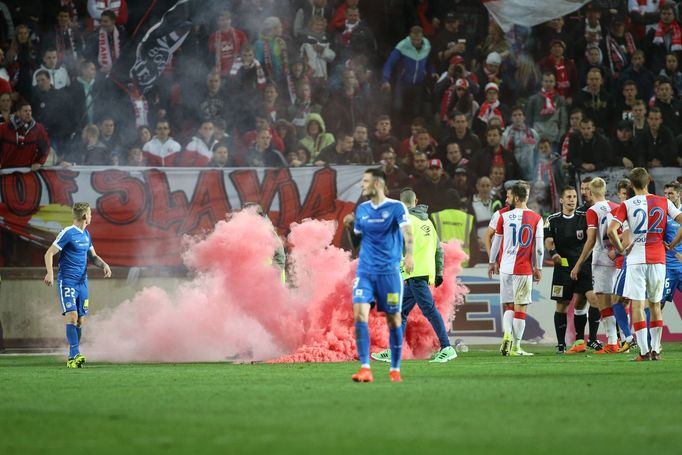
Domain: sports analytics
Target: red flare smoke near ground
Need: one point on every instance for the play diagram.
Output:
(236, 308)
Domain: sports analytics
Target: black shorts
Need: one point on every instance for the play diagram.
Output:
(563, 287)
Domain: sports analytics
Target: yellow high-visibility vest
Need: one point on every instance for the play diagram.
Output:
(454, 224)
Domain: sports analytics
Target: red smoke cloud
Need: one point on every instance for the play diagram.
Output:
(236, 308)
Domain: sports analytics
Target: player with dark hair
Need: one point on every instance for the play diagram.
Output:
(673, 256)
(380, 225)
(74, 244)
(565, 236)
(522, 251)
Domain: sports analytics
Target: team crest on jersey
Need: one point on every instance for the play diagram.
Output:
(580, 234)
(384, 214)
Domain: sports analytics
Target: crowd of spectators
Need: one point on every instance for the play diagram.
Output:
(432, 90)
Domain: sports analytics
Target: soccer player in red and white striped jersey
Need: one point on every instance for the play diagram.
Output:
(603, 267)
(519, 234)
(646, 215)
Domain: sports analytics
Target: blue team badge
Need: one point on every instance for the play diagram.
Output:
(384, 214)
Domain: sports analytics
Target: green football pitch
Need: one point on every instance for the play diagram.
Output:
(479, 403)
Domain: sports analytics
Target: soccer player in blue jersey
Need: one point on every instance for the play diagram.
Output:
(74, 244)
(380, 226)
(673, 266)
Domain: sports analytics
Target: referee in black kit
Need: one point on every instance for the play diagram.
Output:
(565, 235)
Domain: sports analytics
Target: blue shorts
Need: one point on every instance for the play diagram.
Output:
(673, 280)
(386, 290)
(620, 282)
(73, 297)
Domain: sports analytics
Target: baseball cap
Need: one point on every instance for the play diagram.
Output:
(461, 170)
(493, 59)
(451, 17)
(435, 163)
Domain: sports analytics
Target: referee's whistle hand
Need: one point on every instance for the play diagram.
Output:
(556, 259)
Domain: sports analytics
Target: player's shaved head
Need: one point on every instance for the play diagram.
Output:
(79, 210)
(639, 178)
(376, 173)
(598, 186)
(408, 197)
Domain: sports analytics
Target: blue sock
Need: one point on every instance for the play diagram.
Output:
(362, 342)
(622, 319)
(647, 314)
(79, 330)
(72, 338)
(395, 339)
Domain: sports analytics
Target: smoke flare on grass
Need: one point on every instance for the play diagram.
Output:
(235, 306)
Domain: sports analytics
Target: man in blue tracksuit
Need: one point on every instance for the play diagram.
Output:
(409, 65)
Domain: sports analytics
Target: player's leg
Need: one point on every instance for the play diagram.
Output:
(523, 286)
(363, 294)
(68, 298)
(620, 313)
(593, 318)
(560, 324)
(507, 299)
(635, 290)
(580, 310)
(409, 301)
(603, 286)
(656, 275)
(428, 307)
(389, 300)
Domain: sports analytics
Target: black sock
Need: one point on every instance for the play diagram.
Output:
(580, 321)
(560, 327)
(594, 317)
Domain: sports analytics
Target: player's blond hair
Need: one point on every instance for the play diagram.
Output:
(598, 186)
(79, 209)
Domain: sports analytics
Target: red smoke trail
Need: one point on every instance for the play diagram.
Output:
(235, 307)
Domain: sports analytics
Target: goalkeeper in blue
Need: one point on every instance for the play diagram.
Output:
(380, 226)
(428, 269)
(74, 245)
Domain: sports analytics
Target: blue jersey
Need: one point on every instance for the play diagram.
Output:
(671, 228)
(74, 245)
(382, 240)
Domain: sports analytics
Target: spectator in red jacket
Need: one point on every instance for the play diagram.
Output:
(23, 141)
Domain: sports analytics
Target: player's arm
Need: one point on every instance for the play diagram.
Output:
(539, 253)
(97, 261)
(439, 262)
(587, 249)
(49, 254)
(494, 251)
(678, 237)
(488, 239)
(349, 223)
(409, 246)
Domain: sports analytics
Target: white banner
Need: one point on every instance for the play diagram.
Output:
(529, 12)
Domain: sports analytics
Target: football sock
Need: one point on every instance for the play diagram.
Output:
(622, 319)
(647, 315)
(72, 338)
(593, 318)
(656, 330)
(362, 342)
(507, 320)
(560, 322)
(642, 341)
(579, 321)
(395, 338)
(609, 325)
(519, 326)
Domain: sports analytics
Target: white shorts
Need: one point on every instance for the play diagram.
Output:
(645, 282)
(516, 289)
(603, 278)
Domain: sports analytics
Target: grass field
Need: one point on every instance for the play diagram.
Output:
(479, 403)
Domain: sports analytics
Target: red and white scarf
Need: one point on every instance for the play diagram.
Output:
(107, 56)
(549, 108)
(348, 32)
(618, 54)
(489, 110)
(260, 74)
(446, 101)
(528, 137)
(281, 48)
(223, 58)
(61, 45)
(596, 30)
(564, 145)
(563, 84)
(663, 29)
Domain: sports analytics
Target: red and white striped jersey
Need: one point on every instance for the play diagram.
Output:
(522, 232)
(599, 217)
(647, 216)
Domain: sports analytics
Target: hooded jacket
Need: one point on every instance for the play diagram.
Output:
(413, 65)
(315, 145)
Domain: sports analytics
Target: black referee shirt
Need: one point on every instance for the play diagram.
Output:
(569, 234)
